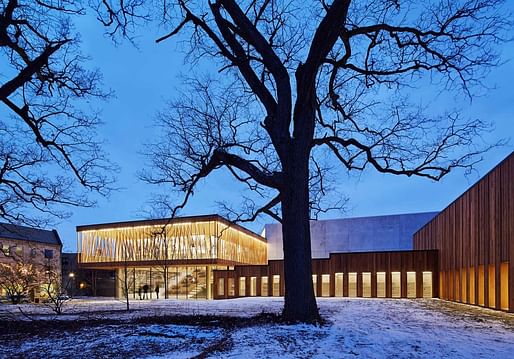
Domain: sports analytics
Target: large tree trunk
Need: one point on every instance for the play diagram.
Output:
(300, 303)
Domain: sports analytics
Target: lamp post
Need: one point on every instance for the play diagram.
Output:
(72, 279)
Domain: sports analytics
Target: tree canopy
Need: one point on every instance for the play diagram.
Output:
(50, 154)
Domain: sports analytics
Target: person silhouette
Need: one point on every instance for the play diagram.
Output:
(157, 291)
(145, 291)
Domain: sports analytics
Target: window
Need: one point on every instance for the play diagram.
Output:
(339, 284)
(411, 284)
(366, 284)
(231, 287)
(325, 285)
(19, 251)
(315, 284)
(253, 286)
(427, 284)
(49, 253)
(33, 252)
(221, 287)
(352, 284)
(242, 286)
(6, 249)
(264, 286)
(381, 284)
(276, 285)
(396, 285)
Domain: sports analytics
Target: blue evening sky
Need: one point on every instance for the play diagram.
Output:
(146, 77)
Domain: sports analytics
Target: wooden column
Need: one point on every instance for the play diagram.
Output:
(403, 281)
(374, 283)
(332, 282)
(359, 284)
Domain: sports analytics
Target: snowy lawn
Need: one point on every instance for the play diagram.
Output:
(366, 328)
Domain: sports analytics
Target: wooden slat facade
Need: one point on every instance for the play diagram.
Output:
(181, 241)
(474, 236)
(343, 264)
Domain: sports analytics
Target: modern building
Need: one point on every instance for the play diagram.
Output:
(352, 257)
(169, 258)
(474, 240)
(31, 246)
(360, 234)
(86, 282)
(464, 253)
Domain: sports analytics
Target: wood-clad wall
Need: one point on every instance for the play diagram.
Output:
(345, 263)
(475, 239)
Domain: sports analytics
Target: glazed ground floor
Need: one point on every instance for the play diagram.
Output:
(189, 282)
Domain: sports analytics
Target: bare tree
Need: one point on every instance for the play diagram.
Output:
(298, 81)
(126, 278)
(54, 287)
(48, 152)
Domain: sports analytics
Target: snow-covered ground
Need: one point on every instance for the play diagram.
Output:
(356, 327)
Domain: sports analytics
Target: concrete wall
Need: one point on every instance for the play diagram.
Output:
(362, 234)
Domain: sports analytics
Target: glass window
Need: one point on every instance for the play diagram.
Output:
(411, 284)
(352, 284)
(315, 284)
(339, 284)
(221, 287)
(49, 253)
(242, 286)
(366, 284)
(381, 284)
(276, 285)
(6, 249)
(264, 286)
(231, 287)
(19, 251)
(396, 285)
(325, 285)
(427, 284)
(253, 286)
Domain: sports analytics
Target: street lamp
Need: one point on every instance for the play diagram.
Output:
(72, 278)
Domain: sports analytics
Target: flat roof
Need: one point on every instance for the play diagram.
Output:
(169, 221)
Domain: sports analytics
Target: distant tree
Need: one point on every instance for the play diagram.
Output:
(294, 82)
(18, 278)
(49, 154)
